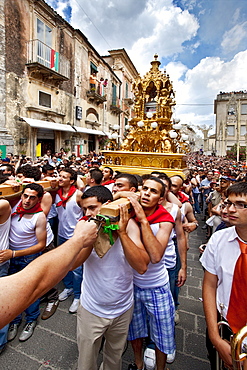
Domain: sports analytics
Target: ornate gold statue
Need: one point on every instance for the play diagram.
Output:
(151, 141)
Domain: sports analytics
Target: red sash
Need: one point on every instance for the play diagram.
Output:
(84, 218)
(160, 215)
(21, 211)
(182, 197)
(63, 200)
(108, 182)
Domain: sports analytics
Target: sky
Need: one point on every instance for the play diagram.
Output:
(202, 44)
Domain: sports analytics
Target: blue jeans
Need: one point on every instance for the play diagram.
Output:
(4, 331)
(17, 264)
(172, 280)
(177, 268)
(73, 279)
(196, 202)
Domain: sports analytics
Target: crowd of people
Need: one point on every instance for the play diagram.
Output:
(130, 291)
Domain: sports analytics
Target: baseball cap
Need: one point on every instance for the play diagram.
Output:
(225, 178)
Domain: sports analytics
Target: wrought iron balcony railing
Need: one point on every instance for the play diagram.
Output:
(40, 53)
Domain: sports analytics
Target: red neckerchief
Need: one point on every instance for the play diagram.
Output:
(63, 200)
(108, 182)
(182, 197)
(21, 211)
(160, 215)
(84, 218)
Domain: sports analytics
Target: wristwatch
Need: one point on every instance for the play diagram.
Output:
(196, 223)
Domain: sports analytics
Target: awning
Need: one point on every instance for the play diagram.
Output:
(38, 123)
(89, 131)
(61, 127)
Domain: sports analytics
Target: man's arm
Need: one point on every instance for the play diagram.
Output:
(46, 203)
(191, 223)
(129, 234)
(182, 250)
(125, 194)
(155, 245)
(5, 210)
(173, 199)
(79, 194)
(19, 290)
(210, 310)
(40, 232)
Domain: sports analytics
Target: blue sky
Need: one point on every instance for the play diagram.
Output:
(202, 44)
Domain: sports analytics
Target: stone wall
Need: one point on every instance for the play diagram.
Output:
(5, 138)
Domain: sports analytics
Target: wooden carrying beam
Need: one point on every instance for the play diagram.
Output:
(8, 191)
(112, 209)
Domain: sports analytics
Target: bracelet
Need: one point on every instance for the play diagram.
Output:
(196, 223)
(13, 254)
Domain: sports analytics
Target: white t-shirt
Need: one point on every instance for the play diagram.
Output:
(170, 252)
(22, 232)
(156, 274)
(68, 216)
(4, 232)
(107, 286)
(219, 258)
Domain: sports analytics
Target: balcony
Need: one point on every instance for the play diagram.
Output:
(96, 94)
(115, 107)
(129, 101)
(45, 63)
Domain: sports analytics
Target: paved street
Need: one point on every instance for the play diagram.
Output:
(53, 344)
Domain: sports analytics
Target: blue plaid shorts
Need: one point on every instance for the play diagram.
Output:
(154, 315)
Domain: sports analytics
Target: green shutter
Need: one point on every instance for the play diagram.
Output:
(114, 95)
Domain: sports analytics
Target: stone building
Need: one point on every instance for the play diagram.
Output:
(57, 90)
(127, 73)
(231, 120)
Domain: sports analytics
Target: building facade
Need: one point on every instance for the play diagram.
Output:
(123, 101)
(231, 121)
(57, 90)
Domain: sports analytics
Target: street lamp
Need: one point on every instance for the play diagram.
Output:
(154, 124)
(173, 134)
(140, 124)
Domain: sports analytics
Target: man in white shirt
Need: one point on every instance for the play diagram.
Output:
(219, 260)
(27, 239)
(107, 288)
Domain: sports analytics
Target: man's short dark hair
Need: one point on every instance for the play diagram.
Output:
(3, 177)
(24, 169)
(100, 192)
(73, 174)
(37, 187)
(155, 173)
(10, 168)
(139, 179)
(97, 175)
(29, 171)
(146, 176)
(47, 167)
(156, 179)
(131, 179)
(240, 188)
(164, 176)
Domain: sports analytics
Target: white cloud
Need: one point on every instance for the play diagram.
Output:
(233, 37)
(146, 27)
(201, 85)
(142, 27)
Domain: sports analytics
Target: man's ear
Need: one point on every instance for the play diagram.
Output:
(133, 189)
(161, 200)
